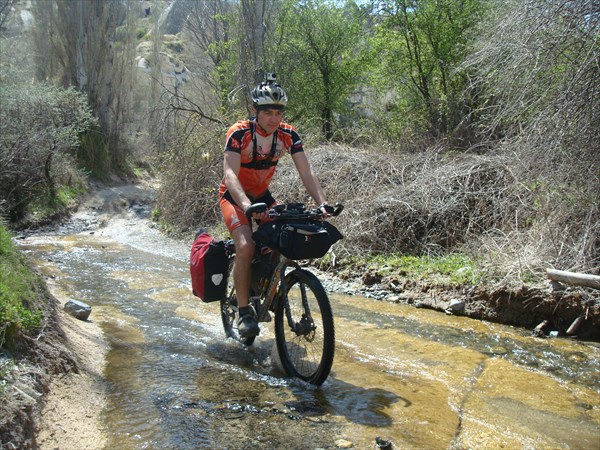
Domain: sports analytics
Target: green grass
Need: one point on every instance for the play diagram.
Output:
(455, 268)
(17, 291)
(46, 205)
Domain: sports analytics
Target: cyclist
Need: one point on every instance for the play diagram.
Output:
(252, 149)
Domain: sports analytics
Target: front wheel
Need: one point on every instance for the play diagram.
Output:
(304, 328)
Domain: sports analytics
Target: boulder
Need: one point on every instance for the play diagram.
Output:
(78, 309)
(456, 307)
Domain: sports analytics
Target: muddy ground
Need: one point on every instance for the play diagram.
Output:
(45, 407)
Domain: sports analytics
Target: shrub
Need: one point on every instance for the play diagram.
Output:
(192, 169)
(39, 129)
(17, 289)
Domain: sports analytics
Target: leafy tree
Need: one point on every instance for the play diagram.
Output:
(88, 44)
(323, 54)
(421, 43)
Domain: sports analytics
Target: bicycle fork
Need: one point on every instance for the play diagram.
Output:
(306, 326)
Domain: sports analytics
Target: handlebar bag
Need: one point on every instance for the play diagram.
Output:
(306, 240)
(209, 265)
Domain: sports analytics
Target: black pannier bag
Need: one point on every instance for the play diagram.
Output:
(305, 240)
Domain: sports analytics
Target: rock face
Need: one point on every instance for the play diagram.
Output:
(173, 18)
(78, 309)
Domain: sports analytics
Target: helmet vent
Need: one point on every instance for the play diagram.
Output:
(269, 94)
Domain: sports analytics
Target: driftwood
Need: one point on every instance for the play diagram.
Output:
(578, 279)
(575, 325)
(539, 331)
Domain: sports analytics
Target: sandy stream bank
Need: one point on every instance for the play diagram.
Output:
(70, 415)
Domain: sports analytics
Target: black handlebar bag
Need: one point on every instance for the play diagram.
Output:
(298, 240)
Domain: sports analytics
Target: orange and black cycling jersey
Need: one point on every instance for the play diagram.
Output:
(259, 154)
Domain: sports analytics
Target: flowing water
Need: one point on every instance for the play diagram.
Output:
(415, 377)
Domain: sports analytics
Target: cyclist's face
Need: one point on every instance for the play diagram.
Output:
(269, 119)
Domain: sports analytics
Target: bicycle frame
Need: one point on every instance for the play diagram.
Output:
(303, 319)
(276, 282)
(268, 296)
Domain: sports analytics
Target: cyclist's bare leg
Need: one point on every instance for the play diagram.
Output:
(244, 251)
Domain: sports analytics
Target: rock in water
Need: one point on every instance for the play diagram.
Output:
(78, 309)
(383, 444)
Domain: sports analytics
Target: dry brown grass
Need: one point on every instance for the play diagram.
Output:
(426, 203)
(491, 206)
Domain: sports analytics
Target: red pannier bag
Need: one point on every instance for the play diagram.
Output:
(208, 268)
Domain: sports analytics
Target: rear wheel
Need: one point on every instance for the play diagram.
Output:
(229, 311)
(304, 328)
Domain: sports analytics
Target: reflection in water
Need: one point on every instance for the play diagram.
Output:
(417, 377)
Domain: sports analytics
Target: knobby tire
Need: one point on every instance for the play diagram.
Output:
(308, 353)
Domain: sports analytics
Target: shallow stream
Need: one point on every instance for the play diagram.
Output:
(415, 377)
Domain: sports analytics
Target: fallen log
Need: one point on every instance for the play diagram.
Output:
(578, 279)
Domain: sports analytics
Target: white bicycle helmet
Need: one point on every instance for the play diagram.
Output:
(269, 94)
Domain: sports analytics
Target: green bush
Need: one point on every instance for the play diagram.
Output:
(17, 291)
(40, 127)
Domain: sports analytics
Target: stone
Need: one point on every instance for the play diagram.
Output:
(343, 443)
(456, 307)
(383, 444)
(78, 309)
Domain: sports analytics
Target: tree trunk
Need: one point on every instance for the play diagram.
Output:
(81, 78)
(253, 20)
(578, 279)
(259, 40)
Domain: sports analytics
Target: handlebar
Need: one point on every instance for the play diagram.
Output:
(293, 211)
(255, 208)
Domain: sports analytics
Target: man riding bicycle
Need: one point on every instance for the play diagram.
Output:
(252, 149)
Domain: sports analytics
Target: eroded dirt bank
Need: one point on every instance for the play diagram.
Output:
(546, 310)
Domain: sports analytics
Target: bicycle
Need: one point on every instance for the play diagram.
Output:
(304, 328)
